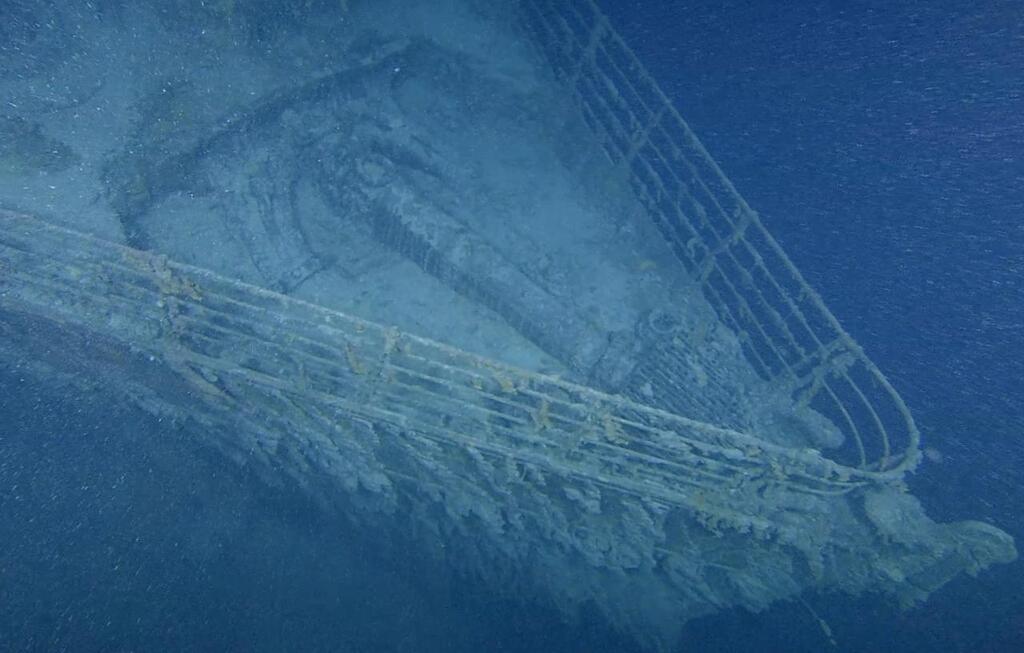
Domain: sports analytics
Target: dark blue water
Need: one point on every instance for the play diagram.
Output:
(883, 145)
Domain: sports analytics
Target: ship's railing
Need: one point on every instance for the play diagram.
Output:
(246, 353)
(787, 332)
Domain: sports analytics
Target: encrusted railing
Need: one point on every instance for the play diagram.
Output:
(240, 348)
(788, 334)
